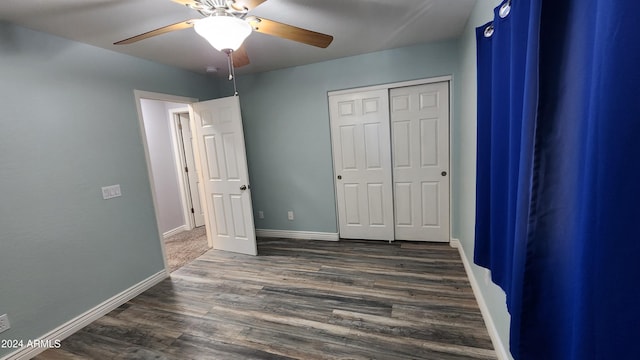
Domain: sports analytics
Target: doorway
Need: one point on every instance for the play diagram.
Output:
(180, 238)
(220, 164)
(186, 166)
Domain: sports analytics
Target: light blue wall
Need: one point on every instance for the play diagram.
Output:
(286, 124)
(464, 201)
(68, 127)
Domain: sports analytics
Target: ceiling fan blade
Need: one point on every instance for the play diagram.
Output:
(163, 30)
(240, 57)
(249, 4)
(290, 32)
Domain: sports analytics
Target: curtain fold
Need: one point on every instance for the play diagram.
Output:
(507, 108)
(558, 175)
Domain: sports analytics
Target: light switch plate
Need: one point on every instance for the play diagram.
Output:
(109, 192)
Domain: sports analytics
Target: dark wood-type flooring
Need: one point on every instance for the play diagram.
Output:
(299, 300)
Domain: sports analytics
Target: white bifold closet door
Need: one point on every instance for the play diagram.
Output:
(391, 160)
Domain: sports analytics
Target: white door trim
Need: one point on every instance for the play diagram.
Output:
(139, 95)
(388, 87)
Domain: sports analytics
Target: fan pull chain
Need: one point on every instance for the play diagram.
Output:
(232, 71)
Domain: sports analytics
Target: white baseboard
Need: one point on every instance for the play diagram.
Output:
(291, 234)
(501, 350)
(175, 231)
(65, 330)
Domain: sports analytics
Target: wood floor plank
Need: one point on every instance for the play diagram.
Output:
(299, 299)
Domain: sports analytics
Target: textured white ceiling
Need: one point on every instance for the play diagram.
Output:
(358, 27)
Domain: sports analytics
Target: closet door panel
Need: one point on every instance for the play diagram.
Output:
(420, 143)
(362, 164)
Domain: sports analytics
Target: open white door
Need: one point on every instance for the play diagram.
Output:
(220, 151)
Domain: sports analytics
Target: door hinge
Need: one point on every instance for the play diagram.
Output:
(192, 211)
(186, 169)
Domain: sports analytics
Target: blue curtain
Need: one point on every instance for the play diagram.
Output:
(558, 174)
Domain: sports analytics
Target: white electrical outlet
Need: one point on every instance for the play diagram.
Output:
(290, 215)
(4, 323)
(260, 214)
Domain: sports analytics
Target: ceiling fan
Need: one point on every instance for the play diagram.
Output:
(227, 24)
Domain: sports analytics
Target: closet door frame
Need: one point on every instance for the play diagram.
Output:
(388, 87)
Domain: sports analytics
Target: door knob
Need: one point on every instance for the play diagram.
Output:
(444, 173)
(243, 187)
(339, 177)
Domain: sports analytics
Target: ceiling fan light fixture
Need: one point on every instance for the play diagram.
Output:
(223, 32)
